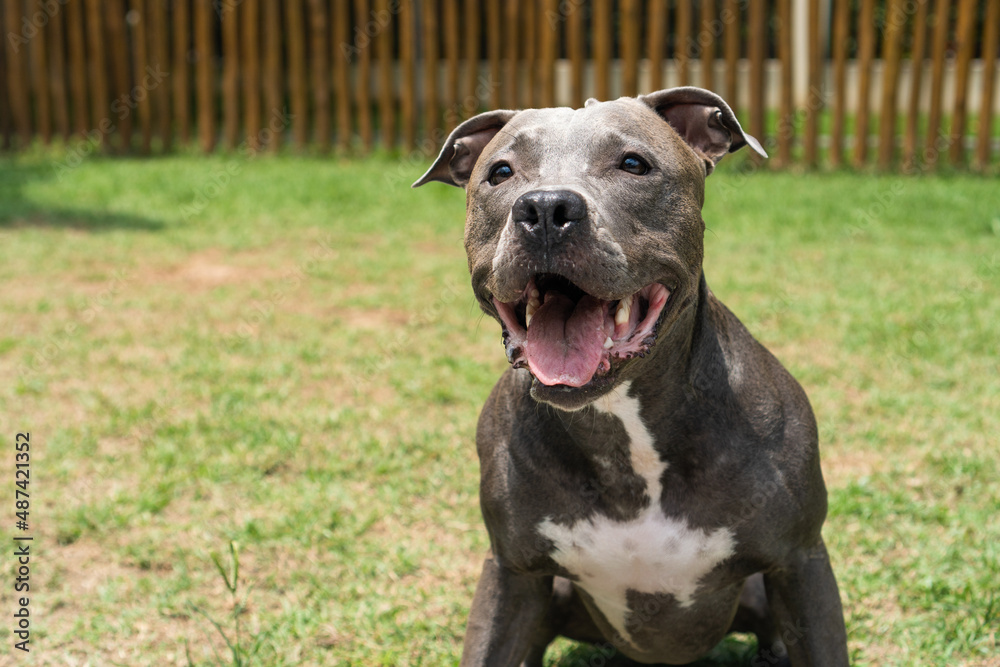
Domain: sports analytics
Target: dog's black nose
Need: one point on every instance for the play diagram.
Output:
(547, 215)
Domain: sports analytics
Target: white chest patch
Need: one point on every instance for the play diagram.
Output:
(652, 553)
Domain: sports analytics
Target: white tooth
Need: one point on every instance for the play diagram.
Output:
(530, 309)
(624, 311)
(535, 294)
(608, 343)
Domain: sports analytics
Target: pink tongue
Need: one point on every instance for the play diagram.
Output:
(566, 343)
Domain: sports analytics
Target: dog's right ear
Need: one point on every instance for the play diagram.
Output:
(463, 147)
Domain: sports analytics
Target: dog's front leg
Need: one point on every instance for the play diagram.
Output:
(507, 611)
(806, 605)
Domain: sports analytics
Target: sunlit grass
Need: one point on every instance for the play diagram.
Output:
(290, 358)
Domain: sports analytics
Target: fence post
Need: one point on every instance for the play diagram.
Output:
(941, 17)
(549, 41)
(758, 27)
(682, 38)
(601, 29)
(203, 30)
(117, 44)
(966, 41)
(77, 66)
(432, 117)
(814, 90)
(786, 91)
(384, 40)
(493, 41)
(230, 75)
(160, 94)
(364, 74)
(5, 128)
(708, 47)
(656, 24)
(181, 69)
(408, 84)
(98, 78)
(841, 23)
(629, 40)
(340, 32)
(17, 77)
(866, 47)
(450, 14)
(472, 42)
(320, 53)
(140, 61)
(732, 30)
(990, 55)
(574, 47)
(40, 80)
(529, 49)
(250, 21)
(57, 72)
(298, 85)
(77, 70)
(895, 18)
(916, 81)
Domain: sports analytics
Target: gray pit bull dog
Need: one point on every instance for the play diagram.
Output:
(650, 473)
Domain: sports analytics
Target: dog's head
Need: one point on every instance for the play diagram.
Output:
(584, 230)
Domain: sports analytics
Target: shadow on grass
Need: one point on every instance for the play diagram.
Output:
(733, 651)
(18, 210)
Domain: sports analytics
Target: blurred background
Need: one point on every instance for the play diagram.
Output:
(251, 364)
(903, 84)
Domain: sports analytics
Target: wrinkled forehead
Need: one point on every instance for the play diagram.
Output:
(621, 123)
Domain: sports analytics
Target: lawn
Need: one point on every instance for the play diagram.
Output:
(282, 354)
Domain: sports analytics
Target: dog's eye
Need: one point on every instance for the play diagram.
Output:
(634, 164)
(500, 173)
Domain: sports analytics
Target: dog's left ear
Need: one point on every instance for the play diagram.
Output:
(703, 120)
(463, 147)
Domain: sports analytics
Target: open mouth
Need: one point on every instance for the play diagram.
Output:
(567, 337)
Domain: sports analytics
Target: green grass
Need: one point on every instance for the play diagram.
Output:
(290, 359)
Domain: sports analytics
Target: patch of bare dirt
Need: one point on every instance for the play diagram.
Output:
(212, 268)
(842, 467)
(373, 318)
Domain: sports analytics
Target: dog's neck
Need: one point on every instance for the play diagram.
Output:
(685, 358)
